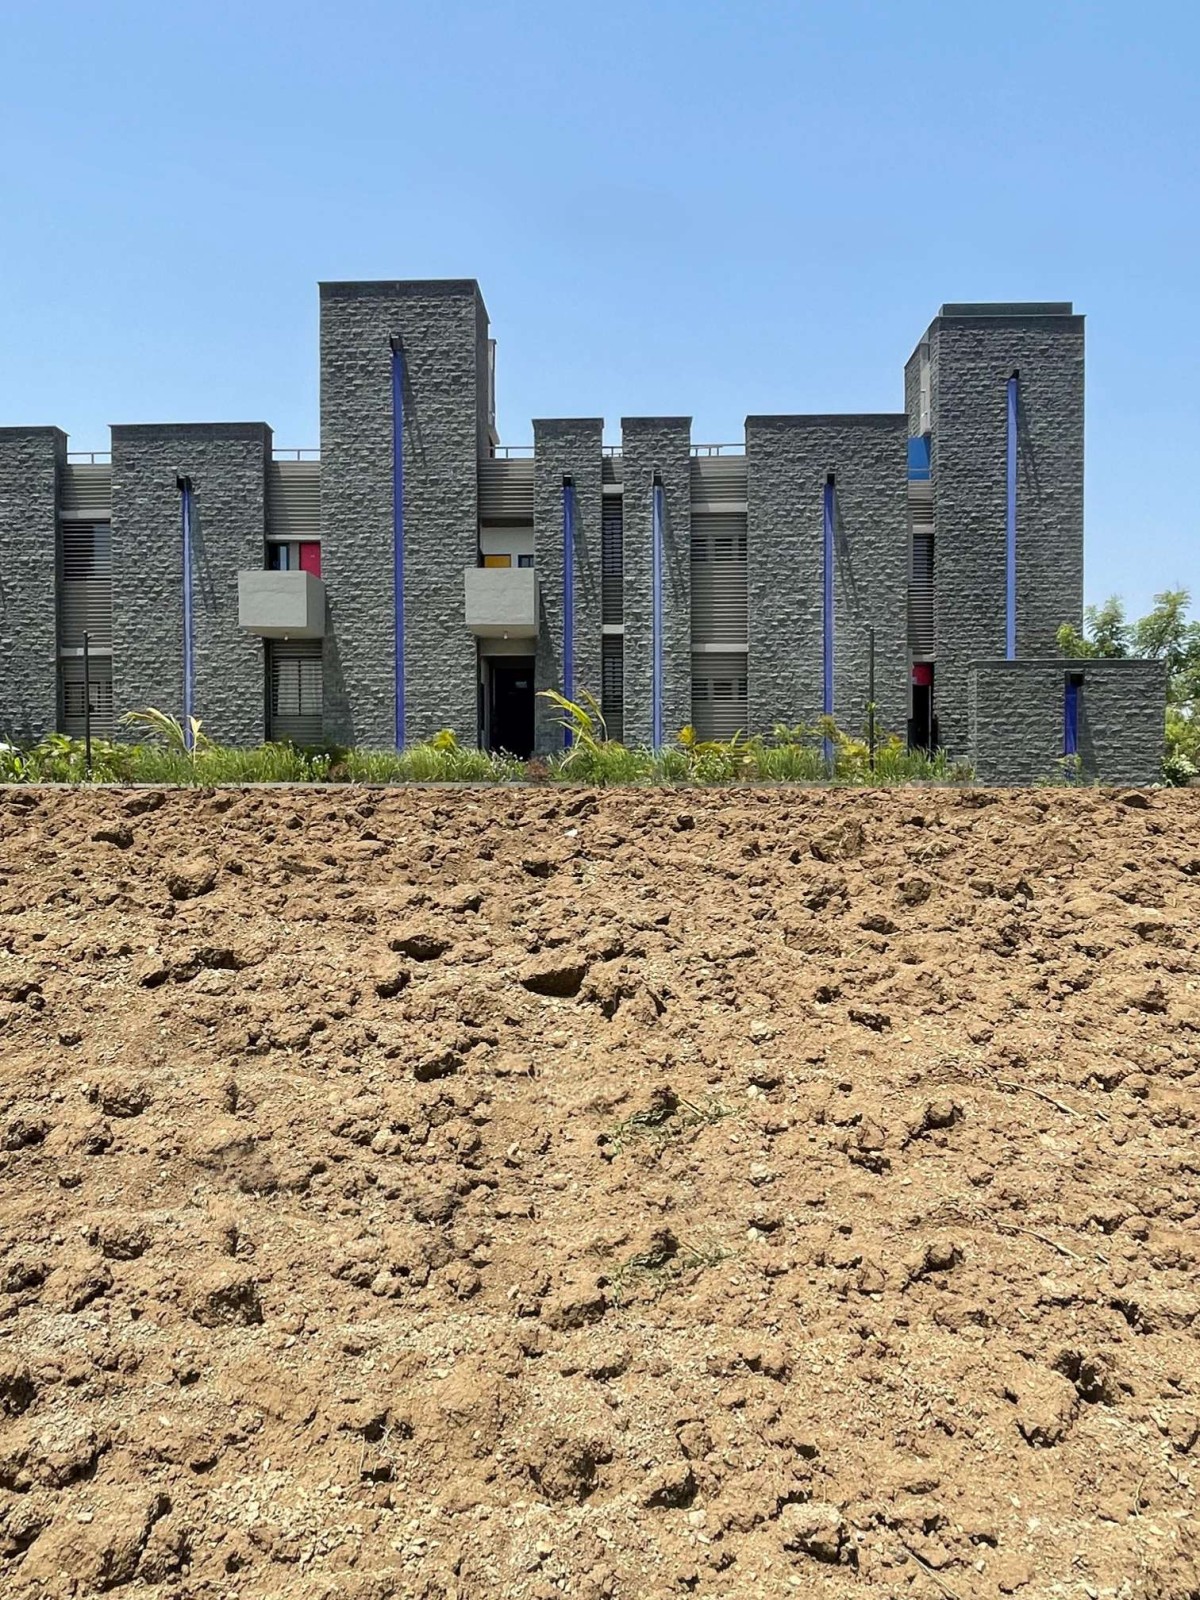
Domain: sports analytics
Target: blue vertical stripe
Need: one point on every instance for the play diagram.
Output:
(827, 609)
(1010, 524)
(568, 596)
(656, 574)
(398, 529)
(1071, 719)
(189, 659)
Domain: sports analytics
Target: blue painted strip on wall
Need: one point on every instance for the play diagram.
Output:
(189, 659)
(1010, 528)
(656, 563)
(1071, 719)
(918, 459)
(827, 604)
(398, 532)
(568, 597)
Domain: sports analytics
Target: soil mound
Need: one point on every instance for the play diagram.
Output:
(458, 1194)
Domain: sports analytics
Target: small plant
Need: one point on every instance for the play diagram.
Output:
(1179, 770)
(186, 742)
(668, 1116)
(663, 1263)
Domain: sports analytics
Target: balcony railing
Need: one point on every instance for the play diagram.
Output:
(90, 458)
(296, 453)
(718, 449)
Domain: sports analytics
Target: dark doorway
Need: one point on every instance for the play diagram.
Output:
(510, 710)
(922, 728)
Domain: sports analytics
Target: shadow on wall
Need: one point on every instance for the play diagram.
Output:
(1026, 454)
(1085, 744)
(206, 588)
(677, 562)
(337, 716)
(844, 559)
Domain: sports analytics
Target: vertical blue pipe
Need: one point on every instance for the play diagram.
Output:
(656, 575)
(828, 511)
(568, 595)
(398, 528)
(189, 662)
(1010, 524)
(1071, 718)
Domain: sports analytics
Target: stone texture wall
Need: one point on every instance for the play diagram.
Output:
(227, 463)
(1015, 720)
(912, 390)
(31, 462)
(566, 446)
(789, 459)
(443, 329)
(663, 445)
(972, 359)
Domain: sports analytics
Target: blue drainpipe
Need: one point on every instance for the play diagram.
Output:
(184, 485)
(1010, 523)
(828, 511)
(398, 526)
(656, 583)
(568, 595)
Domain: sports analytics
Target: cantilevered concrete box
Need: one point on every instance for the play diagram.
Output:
(281, 605)
(501, 602)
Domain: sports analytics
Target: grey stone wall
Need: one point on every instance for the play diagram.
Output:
(663, 445)
(1015, 716)
(789, 459)
(972, 359)
(443, 329)
(227, 463)
(31, 461)
(912, 390)
(566, 446)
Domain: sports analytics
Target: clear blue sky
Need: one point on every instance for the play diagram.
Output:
(681, 208)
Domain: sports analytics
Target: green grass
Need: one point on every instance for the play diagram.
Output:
(668, 1116)
(657, 1269)
(789, 755)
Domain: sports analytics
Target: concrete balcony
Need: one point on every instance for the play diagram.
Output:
(501, 602)
(281, 605)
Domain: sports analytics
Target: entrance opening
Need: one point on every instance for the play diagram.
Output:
(510, 706)
(922, 725)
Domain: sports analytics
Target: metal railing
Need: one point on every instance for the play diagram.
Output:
(296, 453)
(718, 449)
(512, 452)
(91, 458)
(611, 450)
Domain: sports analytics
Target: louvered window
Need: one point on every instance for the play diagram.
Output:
(506, 489)
(294, 499)
(296, 690)
(718, 579)
(85, 585)
(612, 684)
(720, 702)
(921, 634)
(612, 560)
(74, 698)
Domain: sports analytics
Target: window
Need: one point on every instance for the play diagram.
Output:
(497, 561)
(524, 561)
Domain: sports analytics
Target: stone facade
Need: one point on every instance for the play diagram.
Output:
(974, 351)
(566, 446)
(1015, 720)
(789, 459)
(227, 463)
(442, 329)
(31, 462)
(657, 445)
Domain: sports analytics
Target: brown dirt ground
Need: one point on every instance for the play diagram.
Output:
(532, 1193)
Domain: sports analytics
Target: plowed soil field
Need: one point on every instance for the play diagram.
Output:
(547, 1192)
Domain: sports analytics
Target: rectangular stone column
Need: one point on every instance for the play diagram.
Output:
(562, 447)
(227, 463)
(657, 445)
(31, 463)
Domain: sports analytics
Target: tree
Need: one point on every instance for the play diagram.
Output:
(1163, 634)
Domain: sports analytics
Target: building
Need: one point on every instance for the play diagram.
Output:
(415, 575)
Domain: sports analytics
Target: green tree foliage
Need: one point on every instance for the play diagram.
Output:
(1166, 633)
